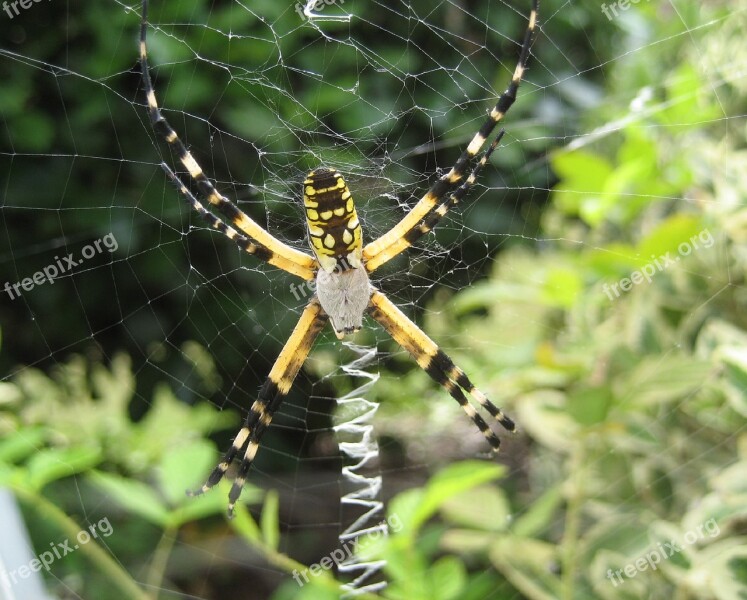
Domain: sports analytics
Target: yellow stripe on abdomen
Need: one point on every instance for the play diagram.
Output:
(334, 229)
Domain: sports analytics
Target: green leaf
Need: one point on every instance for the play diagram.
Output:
(562, 286)
(484, 508)
(451, 481)
(180, 465)
(622, 537)
(51, 464)
(405, 506)
(662, 379)
(447, 578)
(21, 444)
(404, 566)
(245, 525)
(722, 508)
(614, 260)
(731, 481)
(527, 564)
(132, 495)
(540, 514)
(666, 237)
(270, 520)
(466, 541)
(583, 178)
(408, 573)
(204, 505)
(726, 571)
(689, 104)
(543, 415)
(10, 394)
(735, 359)
(169, 423)
(11, 475)
(589, 406)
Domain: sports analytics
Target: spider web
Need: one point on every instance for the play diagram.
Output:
(387, 92)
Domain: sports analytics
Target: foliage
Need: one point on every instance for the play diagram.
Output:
(144, 467)
(634, 400)
(632, 405)
(74, 428)
(636, 409)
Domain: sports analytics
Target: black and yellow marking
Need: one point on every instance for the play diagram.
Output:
(432, 219)
(334, 229)
(460, 377)
(270, 397)
(384, 245)
(335, 237)
(272, 250)
(437, 364)
(242, 241)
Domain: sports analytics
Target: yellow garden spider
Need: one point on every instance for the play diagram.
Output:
(340, 264)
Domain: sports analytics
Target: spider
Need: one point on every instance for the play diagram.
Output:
(340, 265)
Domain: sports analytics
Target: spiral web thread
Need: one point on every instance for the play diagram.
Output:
(360, 449)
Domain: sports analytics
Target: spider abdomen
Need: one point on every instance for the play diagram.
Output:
(334, 230)
(344, 296)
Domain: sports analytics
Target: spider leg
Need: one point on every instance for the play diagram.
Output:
(242, 241)
(275, 252)
(271, 395)
(440, 188)
(433, 218)
(438, 365)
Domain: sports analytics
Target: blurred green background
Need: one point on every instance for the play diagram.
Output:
(124, 379)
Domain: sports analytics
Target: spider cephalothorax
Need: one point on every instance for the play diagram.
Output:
(340, 266)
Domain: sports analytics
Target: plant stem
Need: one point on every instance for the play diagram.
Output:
(160, 560)
(48, 511)
(572, 522)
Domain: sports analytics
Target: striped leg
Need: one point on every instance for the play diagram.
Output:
(433, 218)
(271, 395)
(383, 245)
(242, 241)
(274, 252)
(438, 365)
